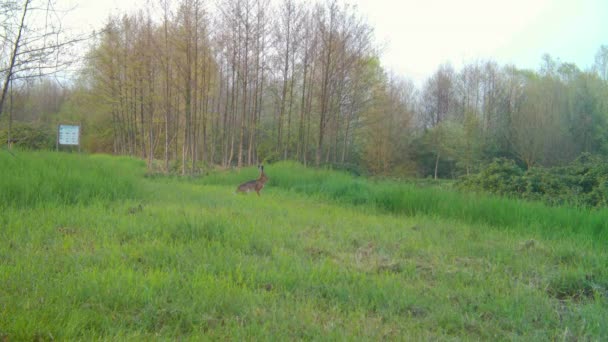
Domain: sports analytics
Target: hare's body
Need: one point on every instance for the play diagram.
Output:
(254, 185)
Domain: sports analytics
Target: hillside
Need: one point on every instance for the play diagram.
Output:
(94, 249)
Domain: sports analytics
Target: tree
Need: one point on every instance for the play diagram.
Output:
(286, 40)
(439, 104)
(468, 142)
(344, 40)
(601, 62)
(536, 126)
(33, 43)
(586, 107)
(386, 122)
(227, 86)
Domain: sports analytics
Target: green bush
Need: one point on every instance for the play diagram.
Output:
(584, 182)
(29, 136)
(502, 177)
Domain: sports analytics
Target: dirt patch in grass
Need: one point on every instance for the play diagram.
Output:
(575, 287)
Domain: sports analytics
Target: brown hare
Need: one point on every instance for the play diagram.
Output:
(254, 185)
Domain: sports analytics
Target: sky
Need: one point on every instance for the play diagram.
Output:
(416, 36)
(419, 35)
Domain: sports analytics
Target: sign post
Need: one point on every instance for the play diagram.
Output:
(68, 135)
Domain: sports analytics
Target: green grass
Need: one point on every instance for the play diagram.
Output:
(410, 199)
(303, 262)
(42, 178)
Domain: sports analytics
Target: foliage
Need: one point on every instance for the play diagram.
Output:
(133, 102)
(581, 183)
(239, 82)
(502, 177)
(29, 136)
(31, 48)
(425, 156)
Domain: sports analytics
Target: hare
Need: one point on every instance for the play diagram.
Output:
(254, 185)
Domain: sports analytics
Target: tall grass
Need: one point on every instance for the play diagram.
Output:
(29, 179)
(197, 262)
(409, 199)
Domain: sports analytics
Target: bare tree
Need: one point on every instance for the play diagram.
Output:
(439, 103)
(34, 43)
(601, 62)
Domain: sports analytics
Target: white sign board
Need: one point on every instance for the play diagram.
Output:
(69, 135)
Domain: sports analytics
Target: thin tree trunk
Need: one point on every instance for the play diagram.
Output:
(436, 165)
(287, 143)
(300, 147)
(167, 91)
(143, 121)
(9, 138)
(245, 84)
(9, 73)
(348, 120)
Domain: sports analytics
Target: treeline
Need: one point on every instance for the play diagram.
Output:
(243, 82)
(542, 118)
(190, 84)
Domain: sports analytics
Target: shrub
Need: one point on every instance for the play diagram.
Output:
(502, 177)
(29, 136)
(584, 182)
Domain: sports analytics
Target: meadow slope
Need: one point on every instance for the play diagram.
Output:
(103, 252)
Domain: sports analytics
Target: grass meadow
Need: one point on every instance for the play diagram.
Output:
(93, 249)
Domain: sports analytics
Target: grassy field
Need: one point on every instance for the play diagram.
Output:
(92, 249)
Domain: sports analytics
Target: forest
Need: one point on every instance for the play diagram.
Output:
(189, 85)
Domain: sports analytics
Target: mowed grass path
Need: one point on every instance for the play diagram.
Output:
(196, 261)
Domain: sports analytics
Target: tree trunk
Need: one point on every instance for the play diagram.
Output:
(9, 72)
(436, 165)
(9, 139)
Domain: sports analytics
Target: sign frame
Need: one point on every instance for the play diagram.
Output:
(69, 135)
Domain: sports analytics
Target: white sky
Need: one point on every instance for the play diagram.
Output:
(416, 36)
